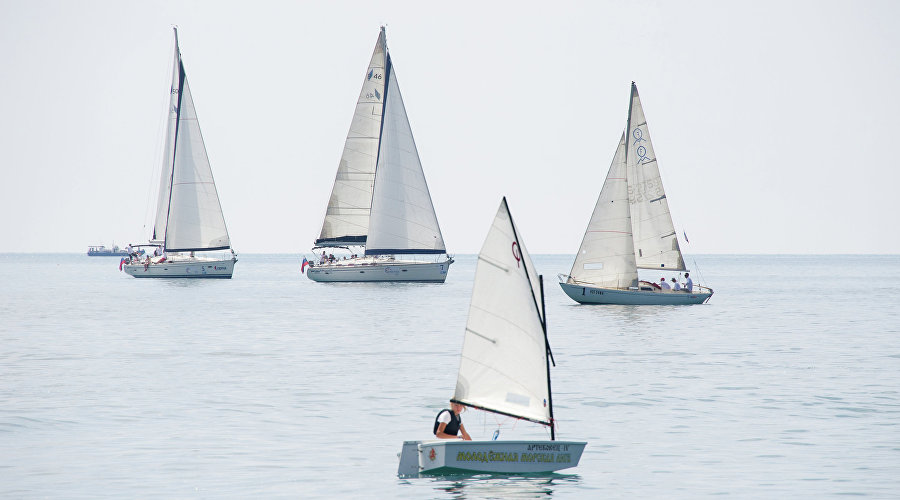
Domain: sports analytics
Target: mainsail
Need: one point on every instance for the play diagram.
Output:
(504, 365)
(606, 257)
(380, 199)
(402, 218)
(347, 216)
(655, 240)
(189, 215)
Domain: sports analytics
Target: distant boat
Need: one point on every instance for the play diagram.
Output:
(631, 228)
(380, 209)
(188, 213)
(505, 368)
(102, 251)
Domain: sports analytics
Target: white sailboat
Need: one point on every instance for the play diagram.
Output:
(380, 203)
(631, 228)
(505, 368)
(188, 213)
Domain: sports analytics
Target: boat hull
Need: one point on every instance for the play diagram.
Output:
(595, 295)
(454, 456)
(348, 271)
(191, 268)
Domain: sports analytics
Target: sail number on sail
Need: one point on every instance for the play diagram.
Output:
(650, 190)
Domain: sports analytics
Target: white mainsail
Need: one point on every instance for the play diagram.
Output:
(606, 257)
(655, 240)
(402, 216)
(347, 216)
(504, 358)
(189, 215)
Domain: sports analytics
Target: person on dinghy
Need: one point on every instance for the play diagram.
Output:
(448, 424)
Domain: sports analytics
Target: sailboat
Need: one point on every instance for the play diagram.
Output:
(380, 207)
(630, 229)
(504, 368)
(188, 213)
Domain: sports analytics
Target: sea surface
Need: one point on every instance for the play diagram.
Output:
(785, 385)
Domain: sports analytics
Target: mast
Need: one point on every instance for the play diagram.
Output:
(542, 316)
(175, 143)
(550, 355)
(387, 78)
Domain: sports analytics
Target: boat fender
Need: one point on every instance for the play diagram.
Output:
(496, 435)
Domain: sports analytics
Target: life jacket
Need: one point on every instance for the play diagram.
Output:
(452, 427)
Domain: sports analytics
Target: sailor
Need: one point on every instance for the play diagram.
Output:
(688, 283)
(663, 285)
(675, 285)
(448, 424)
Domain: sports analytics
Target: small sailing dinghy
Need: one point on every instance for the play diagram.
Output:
(505, 368)
(631, 228)
(188, 213)
(380, 208)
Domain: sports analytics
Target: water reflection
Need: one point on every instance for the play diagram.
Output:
(503, 486)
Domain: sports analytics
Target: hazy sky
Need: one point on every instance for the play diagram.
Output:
(773, 121)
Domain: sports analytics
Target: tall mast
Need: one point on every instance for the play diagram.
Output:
(542, 314)
(549, 358)
(175, 143)
(387, 78)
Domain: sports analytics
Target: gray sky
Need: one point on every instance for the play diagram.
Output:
(772, 120)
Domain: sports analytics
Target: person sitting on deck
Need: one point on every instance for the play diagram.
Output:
(448, 424)
(675, 285)
(688, 283)
(663, 285)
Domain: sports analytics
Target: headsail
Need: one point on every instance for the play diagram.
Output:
(606, 257)
(347, 216)
(504, 358)
(655, 240)
(193, 215)
(402, 217)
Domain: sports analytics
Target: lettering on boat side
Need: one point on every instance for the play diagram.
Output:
(512, 457)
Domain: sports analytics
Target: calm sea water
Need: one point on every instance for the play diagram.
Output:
(786, 385)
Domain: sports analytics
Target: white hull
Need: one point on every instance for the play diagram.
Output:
(596, 295)
(183, 268)
(379, 270)
(453, 456)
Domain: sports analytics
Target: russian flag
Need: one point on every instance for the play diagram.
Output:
(303, 265)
